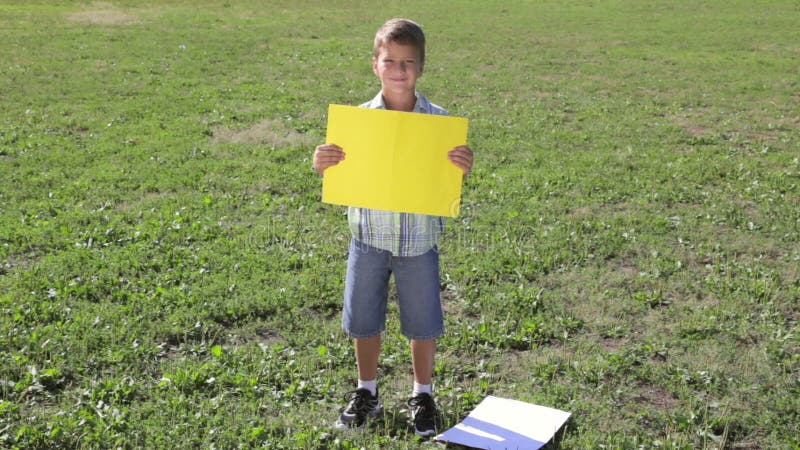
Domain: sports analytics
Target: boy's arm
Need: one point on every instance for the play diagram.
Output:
(462, 157)
(327, 155)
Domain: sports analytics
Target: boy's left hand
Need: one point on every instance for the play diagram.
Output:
(461, 156)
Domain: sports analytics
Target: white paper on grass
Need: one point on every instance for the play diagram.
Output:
(501, 423)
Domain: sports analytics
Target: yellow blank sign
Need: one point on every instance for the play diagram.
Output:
(395, 161)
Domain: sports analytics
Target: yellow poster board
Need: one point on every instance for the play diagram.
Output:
(394, 161)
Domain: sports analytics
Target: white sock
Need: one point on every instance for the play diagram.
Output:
(370, 385)
(422, 389)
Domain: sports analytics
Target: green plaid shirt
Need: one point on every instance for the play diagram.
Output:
(402, 234)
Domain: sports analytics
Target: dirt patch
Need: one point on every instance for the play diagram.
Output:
(655, 396)
(693, 129)
(270, 132)
(610, 345)
(143, 202)
(19, 262)
(581, 212)
(791, 123)
(593, 212)
(267, 337)
(102, 13)
(629, 270)
(263, 337)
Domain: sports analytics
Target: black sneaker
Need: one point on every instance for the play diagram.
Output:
(423, 414)
(361, 406)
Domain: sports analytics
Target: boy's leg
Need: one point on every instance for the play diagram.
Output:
(423, 408)
(422, 358)
(418, 285)
(367, 352)
(363, 403)
(366, 288)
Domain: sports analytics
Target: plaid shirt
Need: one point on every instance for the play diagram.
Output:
(402, 234)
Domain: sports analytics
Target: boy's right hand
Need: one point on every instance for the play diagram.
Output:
(327, 155)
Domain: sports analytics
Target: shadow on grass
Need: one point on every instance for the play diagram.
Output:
(394, 422)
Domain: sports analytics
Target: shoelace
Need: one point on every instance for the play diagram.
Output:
(359, 400)
(425, 405)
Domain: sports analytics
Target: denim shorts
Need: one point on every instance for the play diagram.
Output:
(366, 291)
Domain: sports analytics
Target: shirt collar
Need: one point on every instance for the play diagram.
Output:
(421, 106)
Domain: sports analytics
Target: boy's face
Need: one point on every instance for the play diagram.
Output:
(398, 67)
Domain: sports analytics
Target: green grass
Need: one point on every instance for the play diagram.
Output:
(628, 248)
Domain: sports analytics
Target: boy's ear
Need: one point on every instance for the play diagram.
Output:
(375, 66)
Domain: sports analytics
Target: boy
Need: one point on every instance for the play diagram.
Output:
(385, 243)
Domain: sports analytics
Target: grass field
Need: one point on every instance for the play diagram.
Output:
(628, 248)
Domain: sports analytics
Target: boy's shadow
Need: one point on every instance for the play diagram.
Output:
(394, 421)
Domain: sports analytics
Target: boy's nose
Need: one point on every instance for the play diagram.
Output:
(402, 66)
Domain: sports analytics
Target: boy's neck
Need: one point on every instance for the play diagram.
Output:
(404, 103)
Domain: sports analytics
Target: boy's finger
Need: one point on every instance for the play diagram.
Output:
(330, 160)
(326, 148)
(331, 153)
(460, 152)
(462, 162)
(460, 158)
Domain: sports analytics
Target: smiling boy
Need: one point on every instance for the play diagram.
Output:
(386, 243)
